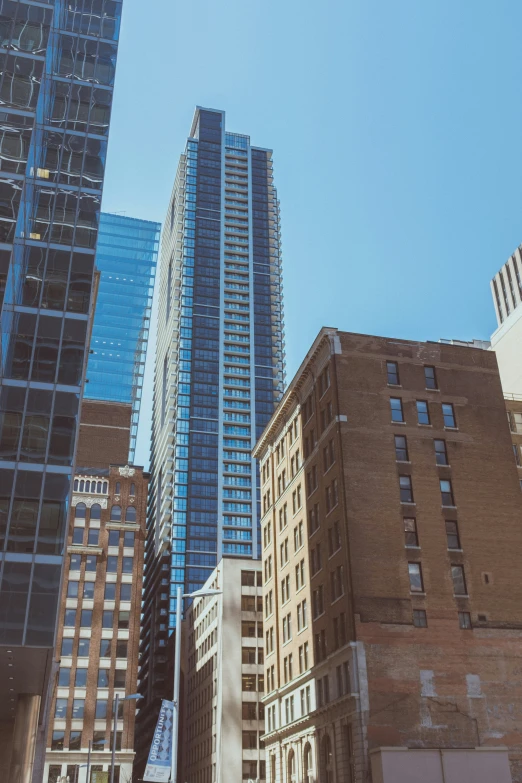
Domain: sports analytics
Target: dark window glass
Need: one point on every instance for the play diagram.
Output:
(123, 619)
(128, 538)
(98, 740)
(64, 677)
(419, 618)
(72, 589)
(78, 535)
(401, 448)
(114, 537)
(116, 513)
(121, 648)
(67, 644)
(88, 590)
(449, 415)
(423, 415)
(94, 536)
(84, 645)
(105, 648)
(110, 591)
(80, 509)
(459, 580)
(396, 409)
(126, 592)
(80, 680)
(441, 455)
(70, 618)
(130, 514)
(112, 564)
(86, 618)
(410, 532)
(406, 489)
(101, 708)
(57, 744)
(103, 678)
(75, 740)
(415, 572)
(127, 565)
(61, 708)
(96, 511)
(452, 534)
(119, 678)
(75, 562)
(107, 619)
(392, 370)
(90, 563)
(430, 377)
(465, 620)
(446, 492)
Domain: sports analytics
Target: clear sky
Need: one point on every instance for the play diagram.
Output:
(396, 130)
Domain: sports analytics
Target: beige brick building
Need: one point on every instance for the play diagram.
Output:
(392, 538)
(99, 615)
(224, 679)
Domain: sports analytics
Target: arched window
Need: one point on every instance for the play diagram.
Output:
(99, 487)
(118, 488)
(327, 760)
(82, 486)
(307, 764)
(116, 513)
(76, 484)
(105, 487)
(87, 486)
(96, 511)
(292, 767)
(79, 511)
(133, 489)
(130, 514)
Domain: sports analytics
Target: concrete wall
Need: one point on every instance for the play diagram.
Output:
(507, 344)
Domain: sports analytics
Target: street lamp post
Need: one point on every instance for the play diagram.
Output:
(177, 674)
(116, 705)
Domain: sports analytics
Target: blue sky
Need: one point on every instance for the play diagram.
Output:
(396, 130)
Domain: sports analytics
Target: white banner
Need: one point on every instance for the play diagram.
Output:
(160, 756)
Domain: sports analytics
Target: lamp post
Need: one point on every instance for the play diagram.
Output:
(116, 705)
(177, 673)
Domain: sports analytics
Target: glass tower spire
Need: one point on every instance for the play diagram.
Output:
(219, 372)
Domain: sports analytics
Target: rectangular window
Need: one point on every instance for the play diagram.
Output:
(86, 618)
(318, 601)
(105, 648)
(423, 414)
(313, 519)
(415, 572)
(101, 708)
(88, 590)
(396, 409)
(110, 591)
(516, 454)
(302, 618)
(123, 619)
(57, 743)
(406, 489)
(64, 678)
(114, 537)
(448, 415)
(84, 646)
(392, 371)
(93, 537)
(459, 580)
(401, 449)
(315, 559)
(300, 575)
(128, 565)
(78, 533)
(334, 539)
(78, 708)
(107, 619)
(465, 621)
(430, 378)
(298, 537)
(103, 678)
(75, 740)
(452, 534)
(441, 455)
(419, 618)
(287, 628)
(446, 492)
(112, 564)
(72, 590)
(81, 678)
(337, 583)
(410, 532)
(248, 578)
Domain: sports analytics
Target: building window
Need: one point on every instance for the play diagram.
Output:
(430, 378)
(315, 559)
(419, 618)
(86, 618)
(110, 591)
(337, 583)
(101, 708)
(318, 601)
(446, 492)
(415, 572)
(396, 409)
(75, 740)
(123, 619)
(75, 562)
(392, 371)
(57, 741)
(84, 646)
(423, 414)
(452, 534)
(95, 511)
(248, 682)
(103, 678)
(406, 489)
(303, 658)
(127, 565)
(64, 677)
(107, 619)
(465, 621)
(116, 514)
(112, 564)
(121, 648)
(410, 532)
(67, 644)
(441, 455)
(302, 617)
(77, 537)
(93, 537)
(117, 491)
(459, 580)
(285, 589)
(126, 592)
(90, 563)
(78, 708)
(334, 539)
(448, 415)
(130, 514)
(401, 449)
(105, 648)
(298, 536)
(516, 454)
(80, 511)
(80, 681)
(72, 589)
(287, 628)
(119, 678)
(323, 691)
(98, 740)
(313, 519)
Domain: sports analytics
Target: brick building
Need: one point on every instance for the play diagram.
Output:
(99, 616)
(392, 538)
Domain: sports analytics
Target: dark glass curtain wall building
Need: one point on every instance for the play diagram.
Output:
(57, 71)
(126, 257)
(219, 374)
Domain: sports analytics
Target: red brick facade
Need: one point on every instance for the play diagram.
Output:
(104, 434)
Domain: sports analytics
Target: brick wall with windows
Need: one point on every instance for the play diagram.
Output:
(417, 589)
(98, 636)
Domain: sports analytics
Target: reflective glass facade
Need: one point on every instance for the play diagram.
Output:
(56, 80)
(219, 371)
(126, 257)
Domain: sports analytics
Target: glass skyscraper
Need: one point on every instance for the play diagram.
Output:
(219, 374)
(126, 257)
(56, 82)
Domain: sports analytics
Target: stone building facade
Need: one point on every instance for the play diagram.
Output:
(98, 636)
(391, 523)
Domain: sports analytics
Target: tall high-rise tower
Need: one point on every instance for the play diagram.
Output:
(56, 84)
(219, 374)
